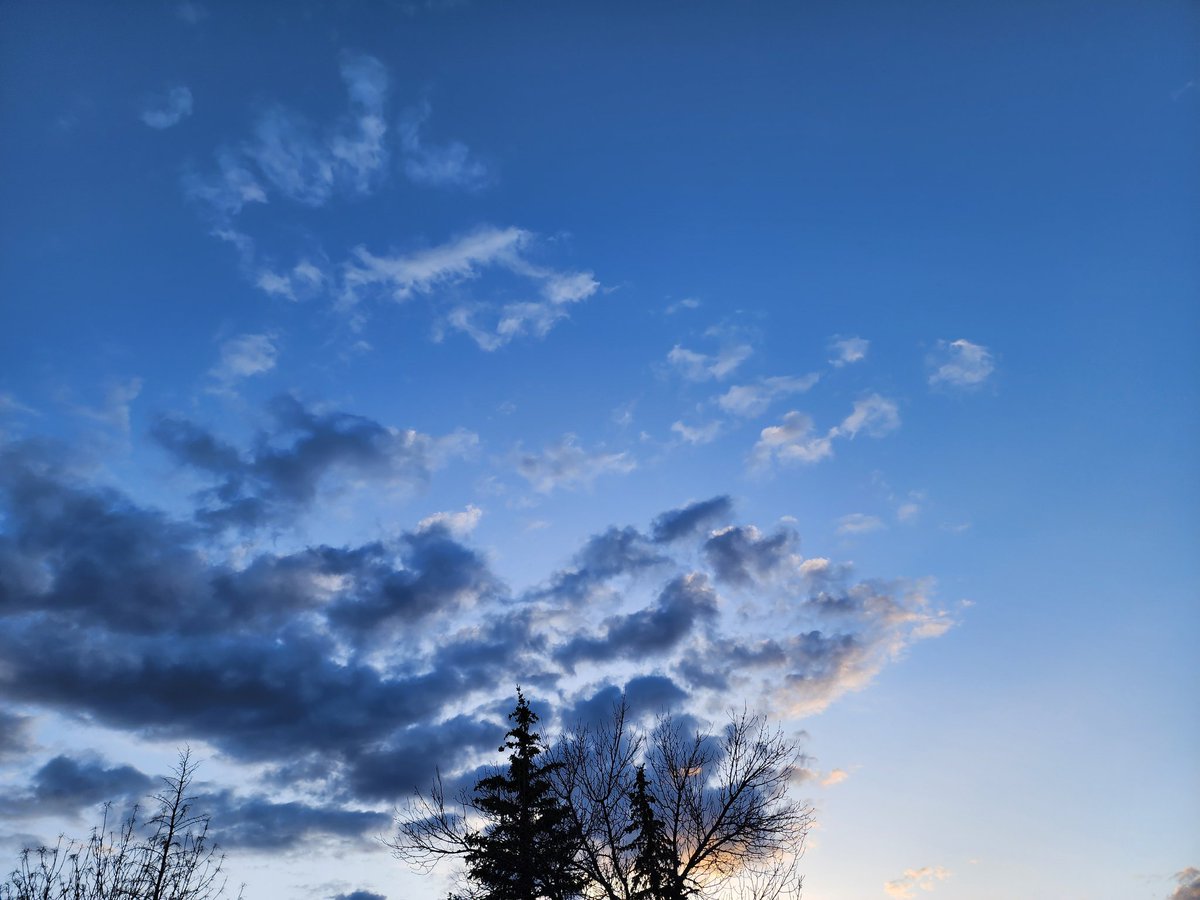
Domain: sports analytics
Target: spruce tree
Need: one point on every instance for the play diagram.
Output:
(527, 852)
(655, 863)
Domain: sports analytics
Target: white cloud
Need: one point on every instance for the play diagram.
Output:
(795, 440)
(859, 523)
(422, 271)
(438, 166)
(960, 364)
(873, 415)
(243, 356)
(848, 350)
(462, 260)
(701, 434)
(10, 404)
(792, 441)
(169, 109)
(685, 303)
(835, 776)
(702, 367)
(227, 191)
(567, 465)
(925, 878)
(749, 400)
(304, 280)
(460, 523)
(308, 164)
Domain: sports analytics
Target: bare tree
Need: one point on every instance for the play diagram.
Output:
(723, 799)
(721, 803)
(166, 857)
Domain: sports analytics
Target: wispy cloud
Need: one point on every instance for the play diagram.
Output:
(191, 12)
(925, 878)
(685, 303)
(462, 260)
(115, 410)
(444, 165)
(304, 280)
(795, 439)
(695, 366)
(243, 356)
(566, 465)
(859, 523)
(847, 350)
(750, 400)
(960, 364)
(168, 109)
(699, 434)
(301, 160)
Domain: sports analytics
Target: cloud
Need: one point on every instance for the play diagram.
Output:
(847, 350)
(685, 303)
(310, 164)
(795, 439)
(701, 434)
(835, 776)
(16, 731)
(303, 281)
(169, 109)
(243, 356)
(69, 786)
(301, 451)
(115, 410)
(683, 604)
(1189, 885)
(859, 523)
(360, 895)
(925, 878)
(304, 162)
(742, 555)
(448, 165)
(460, 261)
(960, 364)
(694, 366)
(567, 466)
(749, 400)
(350, 672)
(190, 12)
(792, 441)
(687, 520)
(458, 523)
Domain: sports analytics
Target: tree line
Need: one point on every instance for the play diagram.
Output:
(614, 812)
(610, 811)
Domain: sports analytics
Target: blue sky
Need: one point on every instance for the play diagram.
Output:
(356, 353)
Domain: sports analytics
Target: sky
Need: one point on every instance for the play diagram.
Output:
(837, 362)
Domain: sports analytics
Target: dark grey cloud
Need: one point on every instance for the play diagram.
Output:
(643, 695)
(740, 554)
(687, 520)
(605, 556)
(67, 785)
(258, 823)
(360, 895)
(16, 734)
(280, 476)
(685, 602)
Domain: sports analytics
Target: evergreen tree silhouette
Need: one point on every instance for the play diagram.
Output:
(655, 864)
(528, 850)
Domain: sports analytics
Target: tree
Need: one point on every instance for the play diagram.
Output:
(722, 800)
(526, 846)
(168, 856)
(655, 866)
